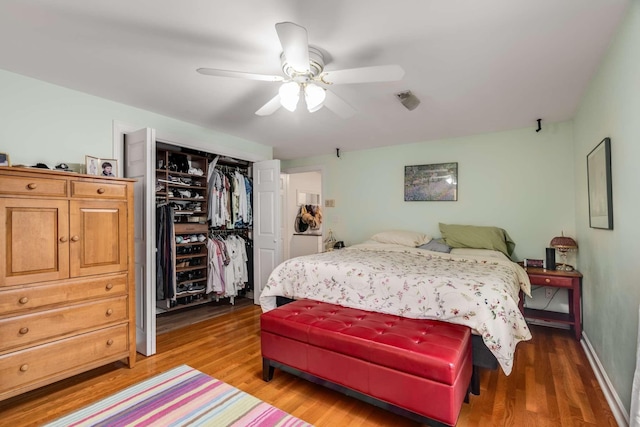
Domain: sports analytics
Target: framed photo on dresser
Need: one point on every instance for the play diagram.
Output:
(101, 167)
(4, 159)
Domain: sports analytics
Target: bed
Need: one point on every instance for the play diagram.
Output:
(478, 288)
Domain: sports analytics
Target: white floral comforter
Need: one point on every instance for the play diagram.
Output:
(478, 292)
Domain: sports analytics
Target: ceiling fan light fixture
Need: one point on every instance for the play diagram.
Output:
(314, 96)
(289, 95)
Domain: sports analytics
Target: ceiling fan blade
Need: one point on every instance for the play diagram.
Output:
(379, 73)
(295, 45)
(239, 75)
(270, 107)
(336, 104)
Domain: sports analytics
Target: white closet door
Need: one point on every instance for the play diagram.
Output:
(267, 251)
(140, 161)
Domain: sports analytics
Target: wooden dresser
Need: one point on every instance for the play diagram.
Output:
(67, 294)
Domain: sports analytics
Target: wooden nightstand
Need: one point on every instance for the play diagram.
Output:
(570, 280)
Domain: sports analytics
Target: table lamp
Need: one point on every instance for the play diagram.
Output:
(564, 244)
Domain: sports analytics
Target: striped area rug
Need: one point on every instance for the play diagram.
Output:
(182, 396)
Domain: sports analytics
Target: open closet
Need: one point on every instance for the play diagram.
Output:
(207, 227)
(203, 228)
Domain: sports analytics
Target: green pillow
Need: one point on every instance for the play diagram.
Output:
(478, 237)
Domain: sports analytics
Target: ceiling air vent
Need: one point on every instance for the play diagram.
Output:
(408, 99)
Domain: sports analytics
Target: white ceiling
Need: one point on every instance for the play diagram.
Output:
(477, 65)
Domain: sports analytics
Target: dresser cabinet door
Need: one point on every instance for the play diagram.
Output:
(34, 237)
(98, 237)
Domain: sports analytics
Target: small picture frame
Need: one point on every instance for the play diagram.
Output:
(5, 160)
(530, 262)
(101, 167)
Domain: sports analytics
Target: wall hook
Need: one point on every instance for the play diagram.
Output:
(338, 152)
(539, 125)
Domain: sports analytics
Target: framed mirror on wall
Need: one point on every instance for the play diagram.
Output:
(599, 186)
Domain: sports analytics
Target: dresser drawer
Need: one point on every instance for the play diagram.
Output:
(24, 370)
(99, 190)
(557, 281)
(38, 327)
(28, 186)
(36, 296)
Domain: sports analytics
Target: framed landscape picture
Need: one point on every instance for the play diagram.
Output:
(436, 182)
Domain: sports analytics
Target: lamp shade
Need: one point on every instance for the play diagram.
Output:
(314, 96)
(289, 95)
(563, 243)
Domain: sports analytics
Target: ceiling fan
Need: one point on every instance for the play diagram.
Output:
(304, 74)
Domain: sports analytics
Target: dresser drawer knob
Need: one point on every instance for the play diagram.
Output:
(23, 300)
(75, 238)
(32, 186)
(547, 280)
(100, 190)
(63, 239)
(109, 342)
(109, 286)
(24, 368)
(109, 312)
(24, 331)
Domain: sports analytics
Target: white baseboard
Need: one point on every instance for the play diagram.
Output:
(619, 412)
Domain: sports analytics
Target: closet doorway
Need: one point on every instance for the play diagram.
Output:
(137, 150)
(301, 186)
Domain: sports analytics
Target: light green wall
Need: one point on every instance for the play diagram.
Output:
(518, 180)
(45, 123)
(609, 259)
(532, 184)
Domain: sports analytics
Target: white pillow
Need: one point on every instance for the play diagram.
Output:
(401, 237)
(479, 252)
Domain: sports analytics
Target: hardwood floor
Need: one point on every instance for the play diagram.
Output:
(169, 321)
(551, 385)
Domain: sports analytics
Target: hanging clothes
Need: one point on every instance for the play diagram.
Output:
(165, 254)
(229, 198)
(215, 277)
(228, 265)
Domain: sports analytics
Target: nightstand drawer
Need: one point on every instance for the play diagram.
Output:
(560, 282)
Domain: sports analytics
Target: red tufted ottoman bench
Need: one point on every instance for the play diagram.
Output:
(417, 368)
